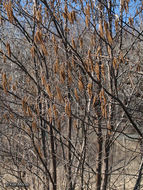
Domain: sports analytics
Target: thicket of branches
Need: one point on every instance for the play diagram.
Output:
(71, 90)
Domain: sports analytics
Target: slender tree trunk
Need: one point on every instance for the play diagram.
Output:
(54, 161)
(111, 79)
(99, 115)
(99, 157)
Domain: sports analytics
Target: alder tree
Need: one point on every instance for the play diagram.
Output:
(71, 94)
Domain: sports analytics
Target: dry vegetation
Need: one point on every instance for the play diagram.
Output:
(71, 94)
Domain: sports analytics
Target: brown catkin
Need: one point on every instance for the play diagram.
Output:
(59, 94)
(73, 15)
(80, 85)
(8, 49)
(4, 82)
(34, 126)
(76, 94)
(55, 112)
(101, 30)
(87, 21)
(89, 89)
(56, 66)
(109, 51)
(62, 73)
(97, 70)
(94, 100)
(24, 106)
(116, 24)
(29, 111)
(39, 16)
(73, 44)
(64, 15)
(38, 38)
(81, 43)
(33, 51)
(109, 37)
(49, 91)
(43, 47)
(56, 49)
(70, 17)
(4, 58)
(9, 10)
(114, 63)
(68, 109)
(87, 10)
(43, 80)
(70, 81)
